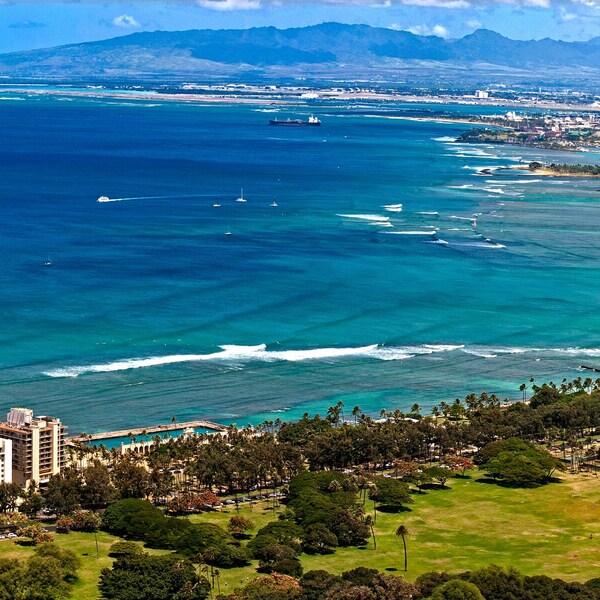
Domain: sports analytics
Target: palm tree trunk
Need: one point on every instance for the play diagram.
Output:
(405, 555)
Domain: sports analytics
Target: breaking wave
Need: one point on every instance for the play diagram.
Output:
(260, 353)
(244, 354)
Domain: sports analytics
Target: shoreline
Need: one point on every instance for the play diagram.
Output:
(546, 172)
(275, 98)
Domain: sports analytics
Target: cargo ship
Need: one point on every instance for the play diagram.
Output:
(314, 121)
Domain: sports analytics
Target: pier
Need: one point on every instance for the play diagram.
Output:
(138, 431)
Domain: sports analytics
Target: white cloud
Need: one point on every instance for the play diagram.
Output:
(474, 24)
(229, 4)
(125, 22)
(438, 3)
(437, 30)
(565, 15)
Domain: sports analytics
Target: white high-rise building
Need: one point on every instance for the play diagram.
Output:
(38, 445)
(5, 461)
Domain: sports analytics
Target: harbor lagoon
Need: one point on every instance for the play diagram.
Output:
(375, 261)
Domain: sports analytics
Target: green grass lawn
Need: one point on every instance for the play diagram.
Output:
(467, 526)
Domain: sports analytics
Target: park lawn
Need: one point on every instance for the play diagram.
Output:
(472, 524)
(469, 525)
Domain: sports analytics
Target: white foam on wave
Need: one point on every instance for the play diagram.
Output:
(456, 218)
(514, 181)
(243, 354)
(595, 352)
(441, 242)
(433, 232)
(480, 353)
(444, 138)
(366, 217)
(427, 212)
(465, 186)
(485, 245)
(381, 224)
(393, 207)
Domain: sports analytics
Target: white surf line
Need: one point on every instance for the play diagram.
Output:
(244, 354)
(363, 217)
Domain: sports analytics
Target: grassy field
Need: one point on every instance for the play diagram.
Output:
(469, 525)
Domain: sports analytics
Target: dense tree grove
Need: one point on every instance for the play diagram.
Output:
(142, 577)
(491, 583)
(137, 519)
(186, 473)
(48, 574)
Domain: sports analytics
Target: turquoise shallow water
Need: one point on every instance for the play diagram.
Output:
(478, 282)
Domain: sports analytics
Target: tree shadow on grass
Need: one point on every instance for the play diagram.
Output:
(459, 476)
(510, 484)
(393, 509)
(391, 569)
(435, 486)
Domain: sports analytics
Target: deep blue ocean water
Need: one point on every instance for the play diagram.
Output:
(478, 283)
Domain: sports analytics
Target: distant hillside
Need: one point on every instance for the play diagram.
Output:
(329, 49)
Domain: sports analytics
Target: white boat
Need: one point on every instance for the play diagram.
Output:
(228, 233)
(103, 199)
(241, 198)
(274, 203)
(48, 263)
(216, 205)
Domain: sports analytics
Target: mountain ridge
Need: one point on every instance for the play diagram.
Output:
(327, 47)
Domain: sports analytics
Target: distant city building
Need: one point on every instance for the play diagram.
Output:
(5, 461)
(482, 94)
(38, 445)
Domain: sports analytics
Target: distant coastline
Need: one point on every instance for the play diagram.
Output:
(563, 170)
(257, 95)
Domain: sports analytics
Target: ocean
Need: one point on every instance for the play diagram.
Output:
(392, 270)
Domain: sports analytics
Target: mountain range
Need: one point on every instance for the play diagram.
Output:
(327, 50)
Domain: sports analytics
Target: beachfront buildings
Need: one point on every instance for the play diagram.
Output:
(5, 461)
(38, 445)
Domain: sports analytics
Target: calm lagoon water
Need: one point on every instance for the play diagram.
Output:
(149, 310)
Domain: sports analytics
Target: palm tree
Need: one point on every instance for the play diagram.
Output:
(523, 389)
(333, 414)
(402, 532)
(356, 413)
(373, 496)
(369, 524)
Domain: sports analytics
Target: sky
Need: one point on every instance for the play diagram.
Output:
(26, 25)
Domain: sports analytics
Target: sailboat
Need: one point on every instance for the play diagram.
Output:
(241, 198)
(274, 203)
(48, 262)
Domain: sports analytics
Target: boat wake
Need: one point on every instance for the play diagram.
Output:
(105, 199)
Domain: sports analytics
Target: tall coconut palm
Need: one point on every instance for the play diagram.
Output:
(402, 532)
(369, 524)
